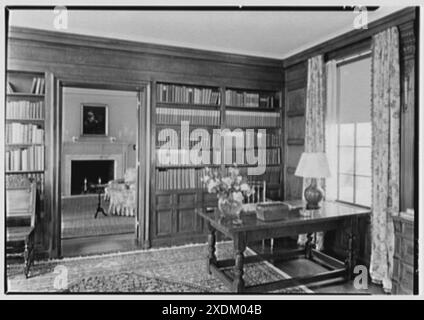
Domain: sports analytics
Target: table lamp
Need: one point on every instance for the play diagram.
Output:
(313, 165)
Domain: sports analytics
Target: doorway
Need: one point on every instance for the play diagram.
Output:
(102, 134)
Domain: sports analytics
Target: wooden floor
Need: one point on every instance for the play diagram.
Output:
(78, 219)
(97, 245)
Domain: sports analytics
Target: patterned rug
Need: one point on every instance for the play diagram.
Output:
(167, 270)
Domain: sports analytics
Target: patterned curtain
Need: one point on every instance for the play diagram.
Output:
(314, 122)
(385, 102)
(331, 126)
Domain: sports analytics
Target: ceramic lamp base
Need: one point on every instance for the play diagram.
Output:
(313, 195)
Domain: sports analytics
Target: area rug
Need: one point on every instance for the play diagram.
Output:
(78, 219)
(170, 270)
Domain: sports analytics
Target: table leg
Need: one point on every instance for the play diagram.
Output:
(309, 246)
(239, 247)
(351, 250)
(211, 248)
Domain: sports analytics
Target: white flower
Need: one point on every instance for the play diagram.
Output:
(238, 196)
(228, 181)
(244, 187)
(211, 185)
(206, 179)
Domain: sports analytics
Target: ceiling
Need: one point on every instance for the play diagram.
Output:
(273, 34)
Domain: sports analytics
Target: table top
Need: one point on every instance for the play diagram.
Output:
(329, 211)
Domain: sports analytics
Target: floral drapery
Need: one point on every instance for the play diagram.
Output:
(331, 128)
(385, 106)
(314, 121)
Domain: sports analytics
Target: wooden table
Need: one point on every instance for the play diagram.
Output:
(331, 216)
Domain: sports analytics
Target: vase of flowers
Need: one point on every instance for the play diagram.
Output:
(230, 189)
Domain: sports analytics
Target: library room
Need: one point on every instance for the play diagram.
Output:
(193, 151)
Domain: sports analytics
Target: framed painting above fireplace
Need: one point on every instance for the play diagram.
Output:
(94, 119)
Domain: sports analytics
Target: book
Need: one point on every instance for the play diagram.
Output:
(170, 93)
(10, 88)
(34, 85)
(25, 110)
(193, 116)
(237, 98)
(235, 118)
(179, 178)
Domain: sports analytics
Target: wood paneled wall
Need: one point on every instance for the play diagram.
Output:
(92, 61)
(295, 104)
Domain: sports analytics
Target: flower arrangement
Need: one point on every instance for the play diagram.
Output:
(230, 189)
(232, 186)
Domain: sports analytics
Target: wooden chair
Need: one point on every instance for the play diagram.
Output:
(259, 196)
(21, 221)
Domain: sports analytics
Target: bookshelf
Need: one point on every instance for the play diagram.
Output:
(25, 127)
(177, 191)
(260, 111)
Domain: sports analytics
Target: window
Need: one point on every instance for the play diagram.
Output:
(352, 183)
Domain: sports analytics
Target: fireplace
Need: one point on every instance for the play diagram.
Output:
(85, 173)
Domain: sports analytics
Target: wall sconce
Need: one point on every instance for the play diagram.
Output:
(75, 139)
(112, 139)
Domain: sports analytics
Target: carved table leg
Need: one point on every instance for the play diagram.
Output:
(211, 248)
(309, 246)
(351, 250)
(239, 247)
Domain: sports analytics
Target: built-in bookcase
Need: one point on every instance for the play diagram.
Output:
(259, 111)
(25, 127)
(177, 190)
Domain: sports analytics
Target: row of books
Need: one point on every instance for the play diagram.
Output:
(28, 159)
(174, 179)
(271, 175)
(24, 110)
(38, 85)
(271, 140)
(179, 157)
(239, 156)
(166, 136)
(171, 93)
(244, 119)
(193, 116)
(249, 100)
(19, 133)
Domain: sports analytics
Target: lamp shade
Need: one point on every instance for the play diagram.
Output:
(313, 165)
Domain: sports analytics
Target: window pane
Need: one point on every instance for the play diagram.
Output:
(347, 134)
(346, 160)
(346, 188)
(363, 161)
(363, 134)
(363, 191)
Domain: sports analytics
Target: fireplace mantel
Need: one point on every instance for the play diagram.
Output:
(92, 150)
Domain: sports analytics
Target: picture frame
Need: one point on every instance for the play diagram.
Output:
(94, 119)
